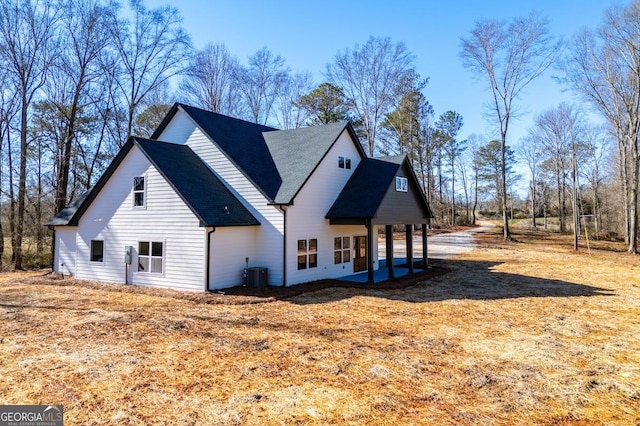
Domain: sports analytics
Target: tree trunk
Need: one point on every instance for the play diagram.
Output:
(622, 151)
(505, 218)
(12, 201)
(38, 207)
(533, 203)
(453, 193)
(22, 186)
(633, 207)
(576, 217)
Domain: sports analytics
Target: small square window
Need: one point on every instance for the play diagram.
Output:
(401, 184)
(156, 249)
(341, 162)
(143, 248)
(302, 262)
(97, 251)
(138, 183)
(347, 163)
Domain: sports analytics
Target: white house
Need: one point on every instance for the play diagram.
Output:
(209, 195)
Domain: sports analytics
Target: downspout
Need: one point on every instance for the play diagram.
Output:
(284, 245)
(207, 257)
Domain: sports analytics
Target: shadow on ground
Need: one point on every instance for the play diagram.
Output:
(447, 280)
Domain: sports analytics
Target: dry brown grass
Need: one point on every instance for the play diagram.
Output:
(516, 333)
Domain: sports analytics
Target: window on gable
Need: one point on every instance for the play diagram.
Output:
(401, 184)
(341, 250)
(307, 254)
(138, 191)
(344, 163)
(97, 251)
(151, 257)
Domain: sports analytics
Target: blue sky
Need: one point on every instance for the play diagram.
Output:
(307, 34)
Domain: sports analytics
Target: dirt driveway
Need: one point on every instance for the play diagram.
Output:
(440, 246)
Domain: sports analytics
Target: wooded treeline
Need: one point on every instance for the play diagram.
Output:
(78, 77)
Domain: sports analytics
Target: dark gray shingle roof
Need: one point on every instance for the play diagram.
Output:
(65, 215)
(365, 190)
(201, 190)
(296, 154)
(240, 140)
(205, 194)
(278, 162)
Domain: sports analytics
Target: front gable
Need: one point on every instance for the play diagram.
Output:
(371, 195)
(399, 206)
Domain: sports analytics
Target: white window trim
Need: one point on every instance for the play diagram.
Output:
(144, 193)
(97, 262)
(402, 184)
(341, 250)
(307, 254)
(164, 257)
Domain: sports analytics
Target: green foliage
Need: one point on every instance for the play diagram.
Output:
(490, 164)
(149, 119)
(403, 128)
(325, 104)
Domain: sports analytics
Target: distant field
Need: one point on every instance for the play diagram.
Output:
(515, 333)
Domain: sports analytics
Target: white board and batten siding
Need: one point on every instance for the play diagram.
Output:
(165, 218)
(266, 246)
(305, 219)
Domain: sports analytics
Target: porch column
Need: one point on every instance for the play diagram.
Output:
(370, 278)
(425, 261)
(389, 241)
(409, 237)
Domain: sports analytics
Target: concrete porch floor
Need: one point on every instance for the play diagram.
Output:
(382, 274)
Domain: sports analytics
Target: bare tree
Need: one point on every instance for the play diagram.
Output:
(475, 143)
(147, 52)
(530, 151)
(27, 49)
(210, 80)
(260, 82)
(558, 130)
(510, 56)
(604, 67)
(597, 145)
(370, 75)
(75, 74)
(289, 114)
(463, 170)
(8, 111)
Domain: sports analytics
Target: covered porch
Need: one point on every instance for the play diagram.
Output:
(384, 192)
